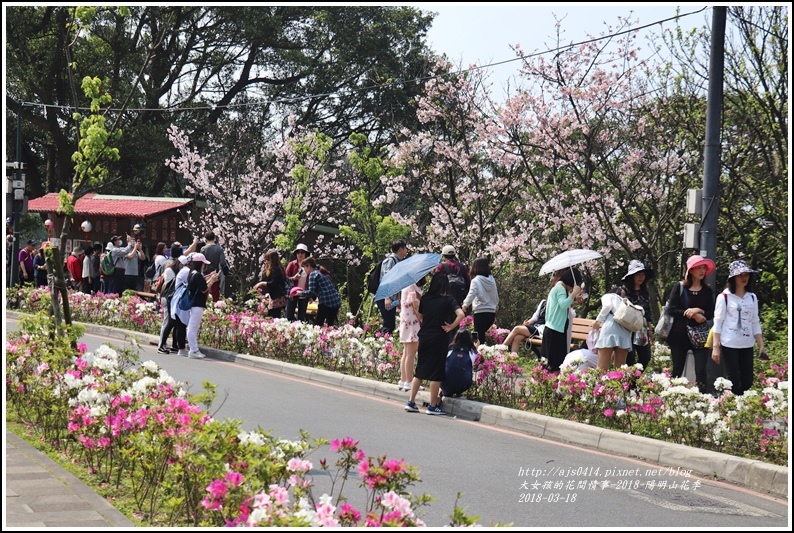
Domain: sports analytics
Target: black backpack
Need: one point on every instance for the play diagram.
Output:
(457, 284)
(373, 278)
(457, 373)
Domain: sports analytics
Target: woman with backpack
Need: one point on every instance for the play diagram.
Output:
(198, 287)
(737, 327)
(482, 298)
(459, 367)
(274, 283)
(164, 287)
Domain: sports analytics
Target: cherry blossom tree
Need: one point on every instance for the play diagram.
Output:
(458, 184)
(257, 202)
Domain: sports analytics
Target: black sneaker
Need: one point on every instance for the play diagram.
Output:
(411, 407)
(163, 349)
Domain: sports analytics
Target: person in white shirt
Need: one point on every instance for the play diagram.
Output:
(737, 328)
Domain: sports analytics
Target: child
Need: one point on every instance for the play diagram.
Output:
(460, 363)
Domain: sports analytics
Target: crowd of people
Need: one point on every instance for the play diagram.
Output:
(429, 320)
(431, 311)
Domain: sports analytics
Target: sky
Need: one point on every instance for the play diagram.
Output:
(482, 33)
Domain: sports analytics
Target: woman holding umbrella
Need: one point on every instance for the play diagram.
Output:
(440, 314)
(555, 345)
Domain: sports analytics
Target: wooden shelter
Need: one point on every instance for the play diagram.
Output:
(110, 215)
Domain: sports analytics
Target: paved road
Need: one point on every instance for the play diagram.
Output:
(504, 476)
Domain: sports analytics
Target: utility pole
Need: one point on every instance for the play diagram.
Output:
(712, 160)
(17, 192)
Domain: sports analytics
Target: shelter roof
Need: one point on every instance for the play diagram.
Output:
(111, 205)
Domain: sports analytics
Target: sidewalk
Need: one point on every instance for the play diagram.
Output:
(39, 493)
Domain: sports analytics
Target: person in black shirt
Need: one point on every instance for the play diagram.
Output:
(440, 314)
(691, 306)
(635, 286)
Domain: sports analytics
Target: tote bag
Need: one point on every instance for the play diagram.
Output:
(630, 316)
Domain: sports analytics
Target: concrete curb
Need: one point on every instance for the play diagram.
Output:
(753, 474)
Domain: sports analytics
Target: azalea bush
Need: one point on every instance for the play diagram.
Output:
(136, 429)
(641, 401)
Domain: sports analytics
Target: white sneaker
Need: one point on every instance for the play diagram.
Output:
(182, 352)
(196, 355)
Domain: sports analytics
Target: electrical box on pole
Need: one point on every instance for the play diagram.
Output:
(694, 201)
(692, 235)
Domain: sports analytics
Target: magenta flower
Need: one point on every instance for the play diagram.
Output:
(217, 488)
(609, 412)
(234, 479)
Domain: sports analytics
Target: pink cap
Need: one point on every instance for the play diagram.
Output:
(200, 258)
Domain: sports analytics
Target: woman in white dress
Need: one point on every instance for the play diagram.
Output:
(612, 337)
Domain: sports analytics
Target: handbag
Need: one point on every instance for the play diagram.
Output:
(641, 337)
(665, 324)
(149, 274)
(699, 333)
(630, 316)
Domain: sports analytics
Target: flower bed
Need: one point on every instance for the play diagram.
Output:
(647, 403)
(137, 431)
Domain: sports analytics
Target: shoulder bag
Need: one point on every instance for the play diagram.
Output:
(630, 316)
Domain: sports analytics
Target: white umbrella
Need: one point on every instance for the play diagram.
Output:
(568, 259)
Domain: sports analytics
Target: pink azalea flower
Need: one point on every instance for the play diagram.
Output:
(609, 412)
(234, 479)
(217, 488)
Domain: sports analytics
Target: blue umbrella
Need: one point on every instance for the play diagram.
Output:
(406, 273)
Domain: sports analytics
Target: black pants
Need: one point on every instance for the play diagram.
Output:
(738, 365)
(326, 314)
(639, 354)
(169, 325)
(275, 312)
(679, 345)
(181, 334)
(297, 303)
(389, 317)
(482, 322)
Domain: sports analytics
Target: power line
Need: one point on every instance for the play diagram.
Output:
(361, 89)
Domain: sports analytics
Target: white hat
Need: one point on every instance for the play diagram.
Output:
(301, 248)
(448, 250)
(183, 259)
(637, 266)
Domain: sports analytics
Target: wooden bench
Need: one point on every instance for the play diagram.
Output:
(580, 329)
(146, 295)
